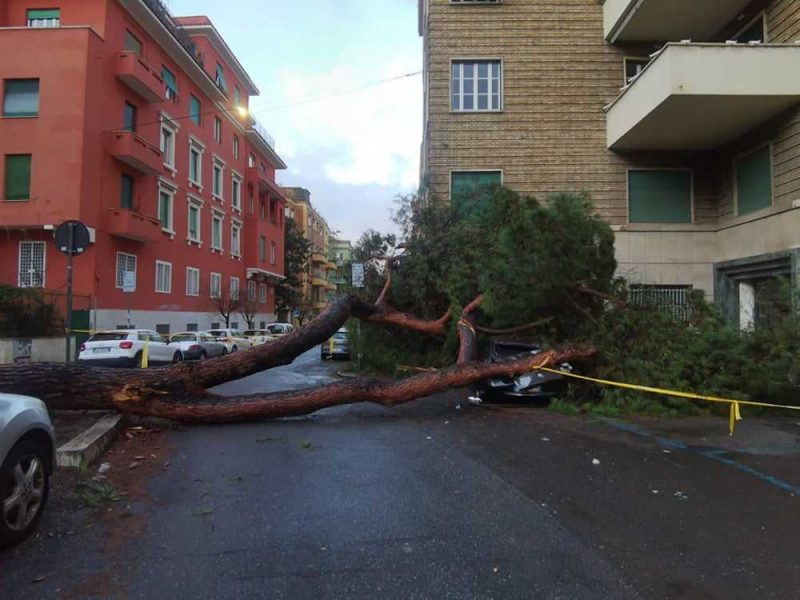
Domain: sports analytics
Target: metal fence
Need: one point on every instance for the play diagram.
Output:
(673, 299)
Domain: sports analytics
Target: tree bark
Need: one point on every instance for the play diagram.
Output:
(179, 392)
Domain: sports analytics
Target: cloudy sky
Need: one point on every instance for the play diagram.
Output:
(352, 141)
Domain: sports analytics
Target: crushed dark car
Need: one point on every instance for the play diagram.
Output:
(537, 386)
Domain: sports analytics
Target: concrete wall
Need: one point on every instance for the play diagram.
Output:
(177, 321)
(41, 349)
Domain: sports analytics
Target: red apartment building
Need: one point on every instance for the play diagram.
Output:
(135, 122)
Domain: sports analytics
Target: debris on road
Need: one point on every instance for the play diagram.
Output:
(595, 462)
(475, 400)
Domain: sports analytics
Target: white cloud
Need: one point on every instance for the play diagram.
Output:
(371, 133)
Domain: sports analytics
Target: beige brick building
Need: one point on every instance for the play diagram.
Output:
(680, 119)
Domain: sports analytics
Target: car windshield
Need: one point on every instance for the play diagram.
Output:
(216, 333)
(184, 337)
(275, 328)
(109, 336)
(253, 332)
(340, 335)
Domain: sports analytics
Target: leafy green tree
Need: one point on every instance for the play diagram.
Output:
(297, 250)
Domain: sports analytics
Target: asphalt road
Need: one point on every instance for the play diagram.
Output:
(438, 499)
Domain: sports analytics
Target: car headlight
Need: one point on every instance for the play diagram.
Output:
(523, 382)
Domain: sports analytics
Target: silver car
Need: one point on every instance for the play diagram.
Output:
(197, 345)
(27, 460)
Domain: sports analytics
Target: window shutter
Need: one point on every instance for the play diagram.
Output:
(18, 177)
(660, 196)
(53, 13)
(754, 181)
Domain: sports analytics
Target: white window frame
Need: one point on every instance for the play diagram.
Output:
(236, 190)
(120, 273)
(262, 293)
(218, 165)
(475, 60)
(197, 146)
(252, 291)
(236, 249)
(235, 288)
(217, 130)
(236, 146)
(215, 291)
(218, 217)
(171, 191)
(273, 252)
(25, 283)
(167, 266)
(192, 276)
(168, 124)
(194, 203)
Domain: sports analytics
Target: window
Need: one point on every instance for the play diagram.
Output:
(251, 160)
(237, 96)
(476, 85)
(171, 89)
(192, 281)
(262, 249)
(216, 179)
(126, 263)
(236, 192)
(660, 196)
(196, 150)
(21, 98)
(633, 67)
(193, 327)
(217, 130)
(166, 202)
(236, 247)
(262, 293)
(262, 209)
(18, 177)
(272, 252)
(126, 192)
(129, 117)
(753, 178)
(163, 277)
(219, 79)
(31, 264)
(236, 147)
(50, 17)
(216, 290)
(234, 289)
(754, 31)
(168, 136)
(216, 231)
(161, 330)
(252, 286)
(132, 44)
(195, 109)
(465, 184)
(194, 227)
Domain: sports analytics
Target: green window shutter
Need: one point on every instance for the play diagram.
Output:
(754, 181)
(237, 96)
(660, 196)
(52, 13)
(220, 79)
(164, 212)
(169, 79)
(194, 109)
(18, 177)
(465, 190)
(126, 192)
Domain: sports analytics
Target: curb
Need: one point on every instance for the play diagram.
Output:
(87, 446)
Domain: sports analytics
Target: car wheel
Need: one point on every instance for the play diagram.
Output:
(203, 355)
(177, 357)
(234, 349)
(224, 351)
(137, 360)
(24, 486)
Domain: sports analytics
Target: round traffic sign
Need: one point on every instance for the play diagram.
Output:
(72, 237)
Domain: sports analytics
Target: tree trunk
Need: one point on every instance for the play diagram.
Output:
(179, 391)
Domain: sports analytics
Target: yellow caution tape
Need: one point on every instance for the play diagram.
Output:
(735, 414)
(145, 354)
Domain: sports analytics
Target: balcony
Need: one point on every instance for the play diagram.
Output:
(139, 76)
(660, 21)
(318, 258)
(701, 96)
(131, 225)
(259, 178)
(319, 282)
(134, 151)
(263, 141)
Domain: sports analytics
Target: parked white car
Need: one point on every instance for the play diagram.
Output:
(125, 348)
(233, 339)
(277, 330)
(197, 345)
(27, 460)
(258, 336)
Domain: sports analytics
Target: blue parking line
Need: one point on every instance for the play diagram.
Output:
(716, 454)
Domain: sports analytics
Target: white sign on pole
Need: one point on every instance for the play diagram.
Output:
(358, 274)
(128, 282)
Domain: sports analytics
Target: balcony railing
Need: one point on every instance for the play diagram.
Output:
(139, 76)
(262, 132)
(131, 225)
(701, 96)
(134, 151)
(161, 12)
